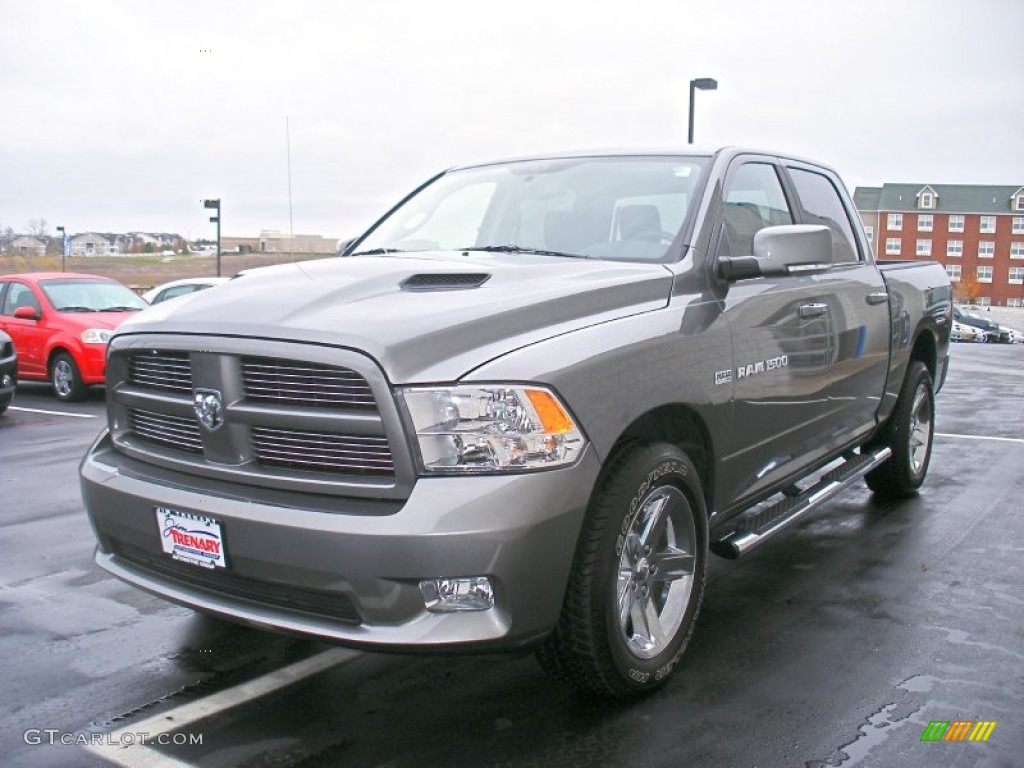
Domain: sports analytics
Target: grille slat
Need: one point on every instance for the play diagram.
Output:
(305, 384)
(323, 451)
(170, 371)
(174, 431)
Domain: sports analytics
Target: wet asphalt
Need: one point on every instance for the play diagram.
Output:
(835, 644)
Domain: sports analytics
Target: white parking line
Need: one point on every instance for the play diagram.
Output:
(120, 746)
(55, 413)
(981, 437)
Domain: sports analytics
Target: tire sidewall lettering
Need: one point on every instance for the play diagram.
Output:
(664, 468)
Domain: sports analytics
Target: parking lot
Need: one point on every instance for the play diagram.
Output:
(834, 645)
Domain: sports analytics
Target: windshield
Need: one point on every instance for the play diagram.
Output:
(82, 295)
(628, 208)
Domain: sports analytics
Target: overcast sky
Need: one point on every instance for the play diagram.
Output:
(120, 116)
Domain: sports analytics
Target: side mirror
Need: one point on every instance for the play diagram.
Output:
(783, 250)
(26, 313)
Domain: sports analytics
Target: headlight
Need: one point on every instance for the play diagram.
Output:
(96, 336)
(491, 428)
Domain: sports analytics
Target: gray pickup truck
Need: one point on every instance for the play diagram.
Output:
(521, 410)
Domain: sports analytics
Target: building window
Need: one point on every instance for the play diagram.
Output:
(895, 221)
(924, 222)
(988, 224)
(924, 247)
(986, 249)
(955, 249)
(870, 232)
(892, 246)
(956, 223)
(927, 200)
(983, 301)
(1017, 275)
(953, 270)
(1017, 250)
(984, 274)
(1015, 303)
(1018, 224)
(1019, 203)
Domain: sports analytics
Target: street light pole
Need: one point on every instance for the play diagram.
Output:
(215, 204)
(703, 84)
(63, 246)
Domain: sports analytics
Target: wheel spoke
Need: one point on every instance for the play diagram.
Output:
(671, 564)
(625, 600)
(655, 631)
(654, 519)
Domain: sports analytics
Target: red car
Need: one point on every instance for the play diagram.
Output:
(60, 323)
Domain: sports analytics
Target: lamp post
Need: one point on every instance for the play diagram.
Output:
(703, 84)
(63, 246)
(215, 204)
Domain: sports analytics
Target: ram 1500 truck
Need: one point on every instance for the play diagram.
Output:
(521, 409)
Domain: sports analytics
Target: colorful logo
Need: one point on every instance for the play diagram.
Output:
(958, 730)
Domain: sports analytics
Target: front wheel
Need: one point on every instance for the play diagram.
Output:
(909, 434)
(66, 379)
(638, 576)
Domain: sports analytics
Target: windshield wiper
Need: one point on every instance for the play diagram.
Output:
(118, 309)
(521, 249)
(377, 252)
(75, 308)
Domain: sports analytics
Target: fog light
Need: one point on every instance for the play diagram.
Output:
(451, 595)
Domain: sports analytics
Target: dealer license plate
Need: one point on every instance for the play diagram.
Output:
(193, 539)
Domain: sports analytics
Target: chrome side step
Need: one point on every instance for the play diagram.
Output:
(757, 527)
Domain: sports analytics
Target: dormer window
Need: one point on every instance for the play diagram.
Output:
(926, 198)
(1017, 201)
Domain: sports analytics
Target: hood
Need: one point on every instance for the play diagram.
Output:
(84, 320)
(424, 318)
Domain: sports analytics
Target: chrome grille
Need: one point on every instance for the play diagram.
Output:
(323, 451)
(306, 384)
(170, 371)
(179, 433)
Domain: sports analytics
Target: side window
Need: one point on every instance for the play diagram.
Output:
(19, 295)
(753, 200)
(821, 202)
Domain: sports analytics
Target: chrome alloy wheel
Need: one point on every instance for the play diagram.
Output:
(656, 570)
(919, 444)
(63, 378)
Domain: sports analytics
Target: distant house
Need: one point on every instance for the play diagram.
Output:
(25, 245)
(92, 244)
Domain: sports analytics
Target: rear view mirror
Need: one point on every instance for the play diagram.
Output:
(782, 250)
(26, 313)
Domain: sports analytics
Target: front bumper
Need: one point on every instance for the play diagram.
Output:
(354, 578)
(91, 360)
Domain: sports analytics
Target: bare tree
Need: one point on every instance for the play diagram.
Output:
(38, 227)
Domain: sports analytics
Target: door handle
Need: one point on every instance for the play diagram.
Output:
(812, 310)
(877, 298)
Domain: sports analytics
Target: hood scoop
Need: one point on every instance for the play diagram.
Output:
(444, 281)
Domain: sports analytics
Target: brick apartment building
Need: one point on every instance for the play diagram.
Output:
(975, 231)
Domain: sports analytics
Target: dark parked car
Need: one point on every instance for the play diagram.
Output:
(8, 370)
(993, 331)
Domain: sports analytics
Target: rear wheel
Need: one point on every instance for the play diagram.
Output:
(66, 379)
(4, 402)
(638, 576)
(909, 434)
